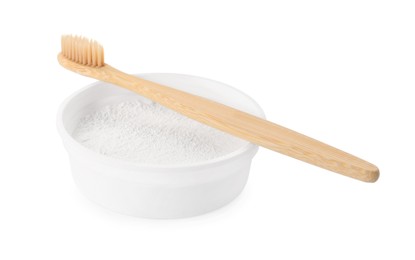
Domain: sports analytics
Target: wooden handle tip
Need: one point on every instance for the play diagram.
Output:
(371, 175)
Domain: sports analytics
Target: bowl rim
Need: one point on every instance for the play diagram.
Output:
(81, 150)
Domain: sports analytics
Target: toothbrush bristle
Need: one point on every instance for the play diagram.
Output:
(82, 50)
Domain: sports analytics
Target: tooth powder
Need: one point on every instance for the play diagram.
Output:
(147, 132)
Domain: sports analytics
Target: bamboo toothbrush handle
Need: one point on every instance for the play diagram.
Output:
(238, 123)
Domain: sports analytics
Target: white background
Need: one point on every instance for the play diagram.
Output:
(339, 71)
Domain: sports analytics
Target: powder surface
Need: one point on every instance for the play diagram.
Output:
(150, 133)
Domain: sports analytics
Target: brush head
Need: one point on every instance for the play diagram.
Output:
(82, 50)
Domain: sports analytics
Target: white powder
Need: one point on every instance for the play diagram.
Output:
(149, 133)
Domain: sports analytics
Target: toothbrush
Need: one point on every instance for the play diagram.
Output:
(86, 57)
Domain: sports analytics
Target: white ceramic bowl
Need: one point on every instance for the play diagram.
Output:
(156, 191)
